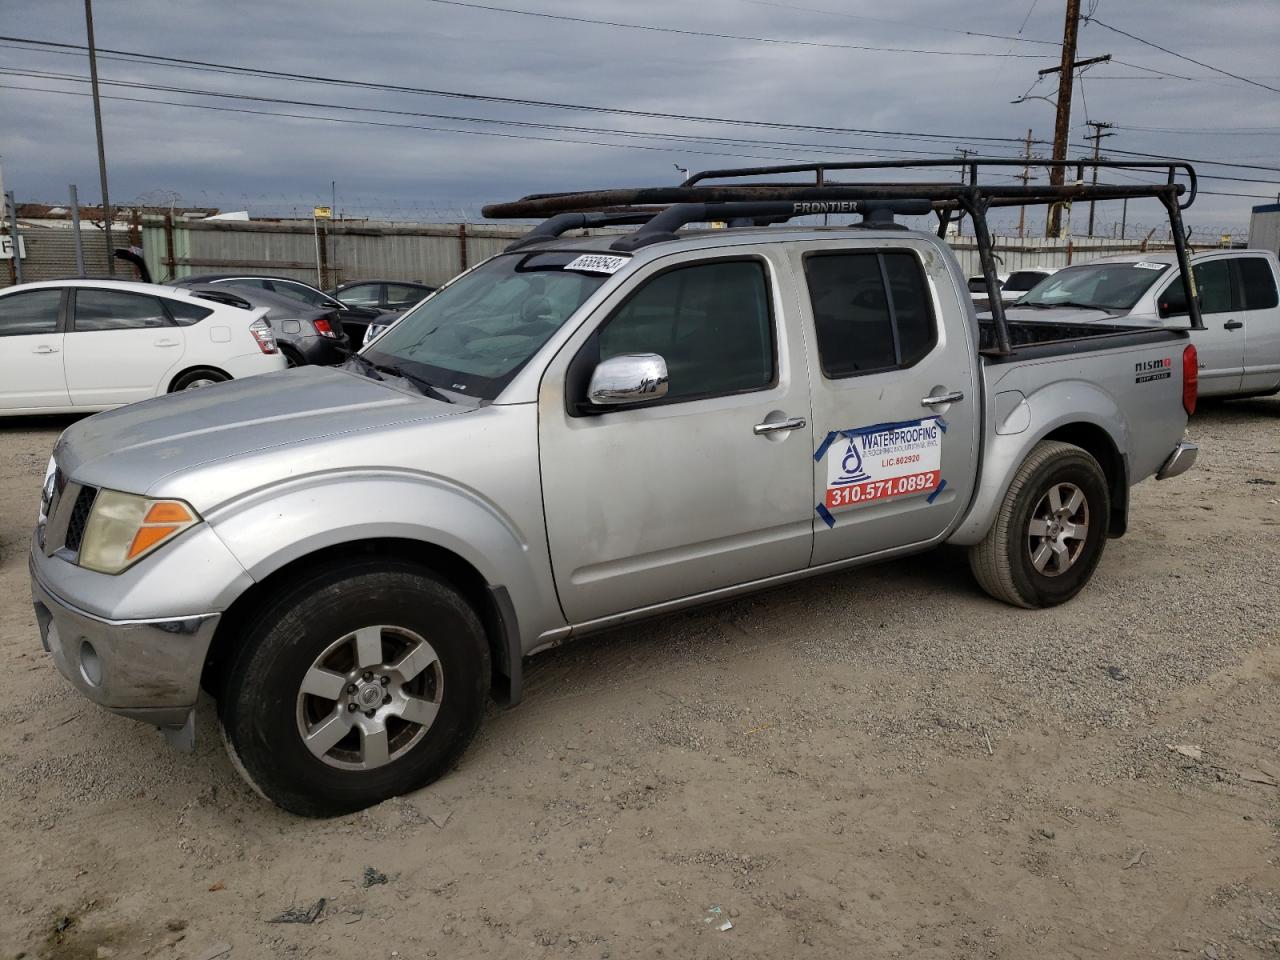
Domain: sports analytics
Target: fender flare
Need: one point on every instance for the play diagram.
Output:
(1082, 405)
(273, 527)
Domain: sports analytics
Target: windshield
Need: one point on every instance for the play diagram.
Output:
(474, 335)
(1107, 286)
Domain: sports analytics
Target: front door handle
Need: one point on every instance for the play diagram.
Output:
(776, 426)
(45, 348)
(166, 343)
(1232, 325)
(955, 396)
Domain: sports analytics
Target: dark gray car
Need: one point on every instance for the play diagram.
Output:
(306, 335)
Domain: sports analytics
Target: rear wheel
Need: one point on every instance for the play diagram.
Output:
(195, 379)
(1050, 532)
(357, 684)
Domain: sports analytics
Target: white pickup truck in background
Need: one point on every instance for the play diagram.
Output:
(1239, 348)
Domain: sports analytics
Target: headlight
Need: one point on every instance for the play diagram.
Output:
(47, 490)
(124, 528)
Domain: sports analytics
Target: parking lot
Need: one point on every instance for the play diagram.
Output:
(878, 763)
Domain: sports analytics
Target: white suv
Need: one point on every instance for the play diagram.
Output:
(69, 346)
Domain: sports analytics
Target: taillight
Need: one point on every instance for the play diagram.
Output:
(324, 329)
(262, 333)
(1190, 379)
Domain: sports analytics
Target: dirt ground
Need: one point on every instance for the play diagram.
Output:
(882, 763)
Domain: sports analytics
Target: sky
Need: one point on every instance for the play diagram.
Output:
(802, 64)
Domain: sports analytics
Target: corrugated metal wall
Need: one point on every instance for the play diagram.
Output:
(1015, 253)
(432, 253)
(343, 251)
(51, 254)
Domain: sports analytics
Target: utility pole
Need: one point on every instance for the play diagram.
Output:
(1099, 133)
(1025, 177)
(1062, 120)
(97, 123)
(964, 155)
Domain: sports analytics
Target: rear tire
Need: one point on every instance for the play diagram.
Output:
(1050, 532)
(195, 379)
(379, 665)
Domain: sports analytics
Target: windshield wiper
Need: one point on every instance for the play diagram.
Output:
(1064, 303)
(368, 368)
(375, 371)
(428, 390)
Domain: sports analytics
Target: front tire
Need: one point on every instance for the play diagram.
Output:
(358, 683)
(1050, 532)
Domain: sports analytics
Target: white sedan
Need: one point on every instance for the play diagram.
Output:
(70, 346)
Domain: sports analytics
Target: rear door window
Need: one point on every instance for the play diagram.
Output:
(298, 291)
(362, 295)
(872, 311)
(1257, 283)
(116, 310)
(400, 295)
(33, 312)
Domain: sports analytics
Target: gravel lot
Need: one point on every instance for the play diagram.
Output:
(881, 763)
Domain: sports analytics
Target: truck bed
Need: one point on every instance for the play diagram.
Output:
(1046, 339)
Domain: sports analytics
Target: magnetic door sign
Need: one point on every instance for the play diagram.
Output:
(877, 463)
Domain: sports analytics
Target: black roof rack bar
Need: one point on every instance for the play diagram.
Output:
(1171, 168)
(696, 202)
(939, 194)
(564, 222)
(664, 226)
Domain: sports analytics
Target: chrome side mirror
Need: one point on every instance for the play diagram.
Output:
(628, 378)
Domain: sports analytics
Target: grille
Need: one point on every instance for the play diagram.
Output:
(79, 518)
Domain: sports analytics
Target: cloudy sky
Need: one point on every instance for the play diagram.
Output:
(416, 154)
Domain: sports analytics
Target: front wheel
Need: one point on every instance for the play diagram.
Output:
(1050, 531)
(356, 684)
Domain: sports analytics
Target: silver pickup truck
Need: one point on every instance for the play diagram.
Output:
(574, 434)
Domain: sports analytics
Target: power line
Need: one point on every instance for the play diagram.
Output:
(728, 36)
(158, 59)
(685, 141)
(1198, 63)
(190, 91)
(1216, 131)
(659, 135)
(906, 23)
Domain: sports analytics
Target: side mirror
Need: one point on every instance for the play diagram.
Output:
(628, 378)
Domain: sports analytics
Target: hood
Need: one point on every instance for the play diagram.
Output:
(137, 446)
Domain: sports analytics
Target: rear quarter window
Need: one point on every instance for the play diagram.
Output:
(184, 313)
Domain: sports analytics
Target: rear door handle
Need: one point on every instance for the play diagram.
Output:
(776, 426)
(955, 396)
(166, 343)
(1232, 325)
(45, 348)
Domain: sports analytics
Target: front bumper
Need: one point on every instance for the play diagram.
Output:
(147, 670)
(1180, 461)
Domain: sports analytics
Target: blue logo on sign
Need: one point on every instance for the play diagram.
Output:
(851, 467)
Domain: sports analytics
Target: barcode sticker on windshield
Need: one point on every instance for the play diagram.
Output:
(597, 263)
(1145, 265)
